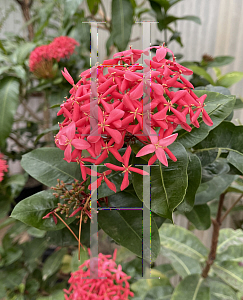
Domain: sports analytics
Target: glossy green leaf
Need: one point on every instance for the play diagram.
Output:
(52, 263)
(9, 101)
(216, 89)
(220, 61)
(93, 6)
(179, 240)
(47, 165)
(32, 285)
(230, 272)
(11, 255)
(229, 79)
(200, 216)
(32, 209)
(125, 226)
(194, 178)
(191, 288)
(225, 138)
(121, 23)
(212, 167)
(201, 72)
(182, 264)
(218, 107)
(212, 189)
(168, 184)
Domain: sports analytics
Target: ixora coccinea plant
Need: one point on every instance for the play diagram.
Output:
(123, 123)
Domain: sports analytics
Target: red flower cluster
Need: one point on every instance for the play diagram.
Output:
(114, 287)
(41, 58)
(126, 100)
(3, 167)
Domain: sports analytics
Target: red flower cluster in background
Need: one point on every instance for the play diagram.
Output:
(41, 58)
(3, 167)
(127, 100)
(115, 285)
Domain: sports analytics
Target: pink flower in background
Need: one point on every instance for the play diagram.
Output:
(112, 285)
(42, 58)
(3, 167)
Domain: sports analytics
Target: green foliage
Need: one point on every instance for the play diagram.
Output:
(122, 21)
(9, 88)
(164, 197)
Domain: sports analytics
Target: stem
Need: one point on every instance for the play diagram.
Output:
(214, 241)
(79, 234)
(25, 7)
(68, 228)
(231, 207)
(18, 143)
(33, 115)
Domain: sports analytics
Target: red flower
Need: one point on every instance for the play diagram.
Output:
(3, 167)
(125, 102)
(112, 284)
(125, 168)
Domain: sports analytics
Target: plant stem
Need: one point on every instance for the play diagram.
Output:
(68, 227)
(231, 207)
(214, 241)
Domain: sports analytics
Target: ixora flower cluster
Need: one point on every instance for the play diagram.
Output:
(126, 100)
(112, 284)
(41, 58)
(3, 167)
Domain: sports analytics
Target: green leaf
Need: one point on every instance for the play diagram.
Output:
(230, 244)
(53, 263)
(216, 89)
(11, 255)
(191, 288)
(182, 264)
(211, 190)
(229, 79)
(230, 272)
(166, 269)
(93, 6)
(70, 7)
(64, 237)
(121, 23)
(179, 240)
(227, 138)
(220, 61)
(125, 226)
(220, 291)
(164, 196)
(159, 293)
(32, 285)
(47, 165)
(32, 209)
(200, 216)
(218, 107)
(9, 91)
(194, 178)
(201, 72)
(75, 263)
(57, 295)
(191, 18)
(23, 51)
